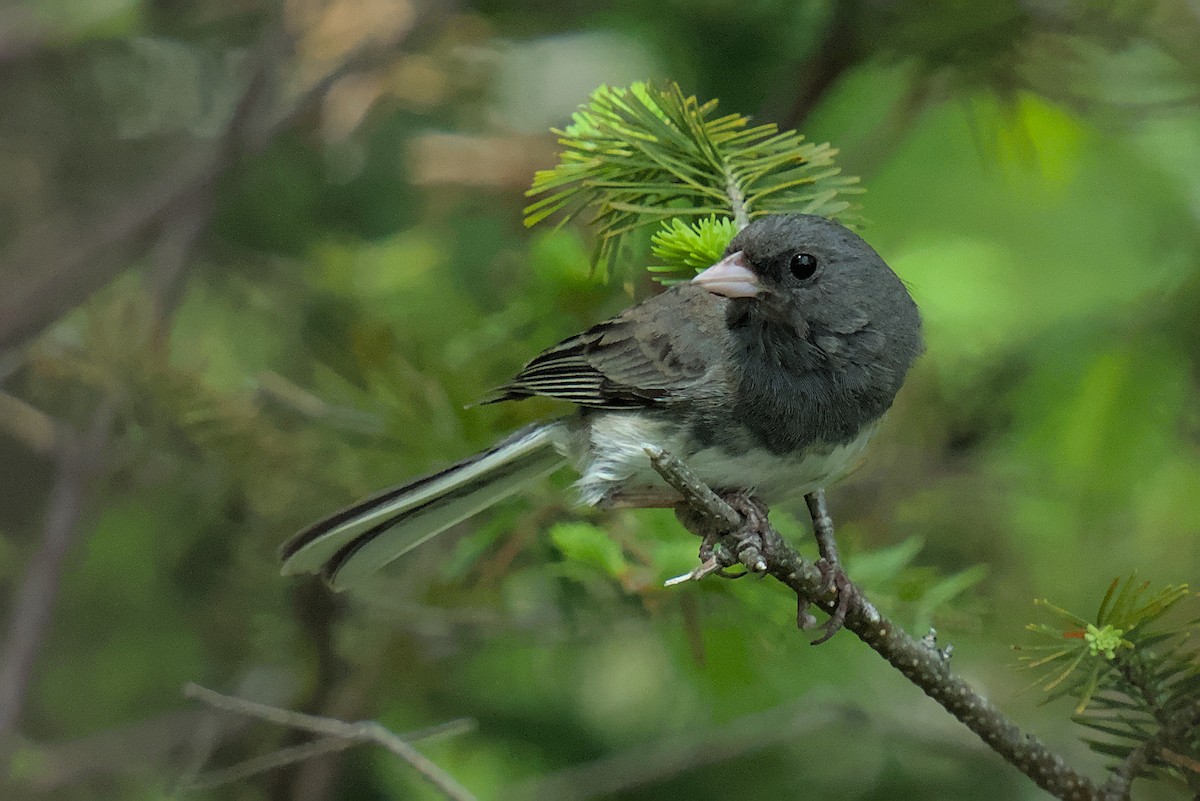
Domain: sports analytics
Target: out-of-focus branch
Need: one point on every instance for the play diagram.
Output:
(837, 53)
(80, 458)
(22, 33)
(314, 748)
(176, 206)
(66, 274)
(332, 729)
(30, 426)
(923, 664)
(277, 759)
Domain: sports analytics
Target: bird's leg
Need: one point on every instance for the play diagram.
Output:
(829, 565)
(640, 498)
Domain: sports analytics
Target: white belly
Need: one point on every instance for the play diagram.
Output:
(613, 459)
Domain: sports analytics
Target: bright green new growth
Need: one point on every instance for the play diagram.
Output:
(1105, 640)
(680, 245)
(1126, 676)
(645, 155)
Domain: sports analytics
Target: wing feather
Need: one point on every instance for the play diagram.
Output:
(647, 356)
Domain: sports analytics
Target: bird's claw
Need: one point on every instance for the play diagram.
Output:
(748, 538)
(747, 544)
(833, 580)
(721, 550)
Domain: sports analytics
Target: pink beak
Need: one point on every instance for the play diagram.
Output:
(731, 277)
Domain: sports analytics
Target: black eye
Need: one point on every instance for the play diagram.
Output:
(803, 265)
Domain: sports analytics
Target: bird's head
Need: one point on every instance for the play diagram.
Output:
(806, 276)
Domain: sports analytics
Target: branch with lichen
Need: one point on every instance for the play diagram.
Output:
(763, 550)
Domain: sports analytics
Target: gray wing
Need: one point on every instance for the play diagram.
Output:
(650, 354)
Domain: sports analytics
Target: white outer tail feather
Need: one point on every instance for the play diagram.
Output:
(349, 545)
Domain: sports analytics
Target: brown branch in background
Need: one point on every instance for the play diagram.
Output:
(923, 664)
(316, 611)
(836, 54)
(330, 728)
(80, 459)
(23, 33)
(290, 755)
(309, 750)
(65, 270)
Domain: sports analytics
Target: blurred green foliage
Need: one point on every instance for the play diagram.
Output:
(289, 289)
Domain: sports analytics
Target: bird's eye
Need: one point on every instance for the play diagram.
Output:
(803, 265)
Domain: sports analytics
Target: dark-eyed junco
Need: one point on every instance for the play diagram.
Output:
(767, 372)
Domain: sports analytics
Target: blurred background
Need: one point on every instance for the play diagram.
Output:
(256, 257)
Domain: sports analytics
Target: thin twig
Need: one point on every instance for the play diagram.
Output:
(33, 609)
(368, 731)
(926, 667)
(261, 764)
(305, 751)
(668, 757)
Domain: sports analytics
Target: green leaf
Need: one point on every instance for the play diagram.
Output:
(945, 590)
(589, 545)
(885, 564)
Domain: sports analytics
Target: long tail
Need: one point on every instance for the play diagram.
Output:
(361, 539)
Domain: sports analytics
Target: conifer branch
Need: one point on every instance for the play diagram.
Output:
(642, 155)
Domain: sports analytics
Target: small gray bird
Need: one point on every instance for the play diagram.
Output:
(768, 372)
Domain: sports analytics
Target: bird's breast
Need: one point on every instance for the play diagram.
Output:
(608, 449)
